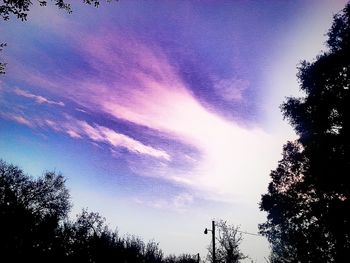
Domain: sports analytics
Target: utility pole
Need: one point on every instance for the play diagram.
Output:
(213, 236)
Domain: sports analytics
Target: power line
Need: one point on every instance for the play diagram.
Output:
(248, 233)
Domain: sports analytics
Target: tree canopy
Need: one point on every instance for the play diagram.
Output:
(35, 226)
(308, 198)
(20, 8)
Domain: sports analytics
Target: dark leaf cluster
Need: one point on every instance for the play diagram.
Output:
(2, 65)
(20, 8)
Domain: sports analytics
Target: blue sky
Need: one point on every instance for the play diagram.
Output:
(162, 114)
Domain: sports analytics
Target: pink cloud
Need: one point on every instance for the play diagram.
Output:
(74, 134)
(21, 120)
(90, 131)
(78, 129)
(17, 118)
(39, 99)
(107, 135)
(138, 84)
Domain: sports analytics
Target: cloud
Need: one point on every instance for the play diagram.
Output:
(235, 160)
(37, 98)
(73, 134)
(22, 120)
(232, 89)
(180, 202)
(139, 85)
(103, 134)
(80, 110)
(17, 118)
(79, 129)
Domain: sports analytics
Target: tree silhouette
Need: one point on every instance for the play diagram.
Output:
(30, 212)
(308, 199)
(227, 244)
(20, 8)
(184, 258)
(35, 227)
(2, 65)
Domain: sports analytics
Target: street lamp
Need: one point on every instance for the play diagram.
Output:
(213, 237)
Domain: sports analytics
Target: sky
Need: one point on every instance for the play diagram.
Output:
(162, 115)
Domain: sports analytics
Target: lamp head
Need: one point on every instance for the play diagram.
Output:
(206, 231)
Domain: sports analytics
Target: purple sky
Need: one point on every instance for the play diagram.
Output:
(162, 114)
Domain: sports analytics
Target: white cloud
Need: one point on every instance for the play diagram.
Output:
(103, 134)
(121, 140)
(182, 201)
(179, 203)
(39, 99)
(77, 129)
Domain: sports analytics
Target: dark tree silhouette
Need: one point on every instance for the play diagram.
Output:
(20, 8)
(35, 227)
(184, 258)
(308, 199)
(228, 239)
(2, 64)
(30, 212)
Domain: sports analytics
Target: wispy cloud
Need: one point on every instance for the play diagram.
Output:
(139, 85)
(17, 118)
(80, 110)
(103, 134)
(180, 202)
(161, 100)
(231, 90)
(79, 129)
(38, 99)
(73, 134)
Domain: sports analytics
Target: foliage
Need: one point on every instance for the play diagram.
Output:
(35, 226)
(30, 212)
(227, 244)
(2, 65)
(20, 8)
(308, 199)
(184, 258)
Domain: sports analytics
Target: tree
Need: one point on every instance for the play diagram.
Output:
(308, 199)
(20, 8)
(227, 244)
(35, 227)
(2, 65)
(30, 213)
(184, 258)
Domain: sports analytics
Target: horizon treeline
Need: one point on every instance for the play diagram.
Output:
(35, 226)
